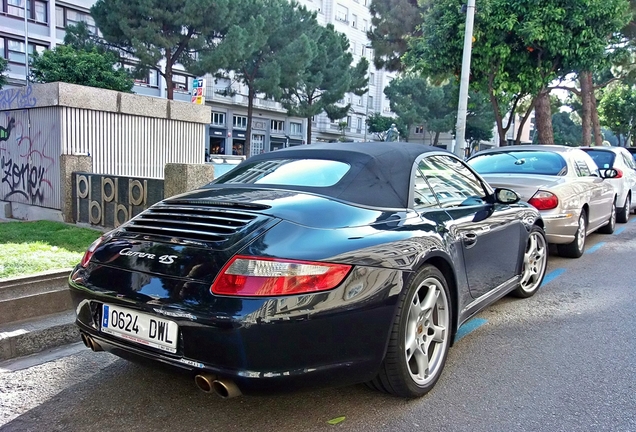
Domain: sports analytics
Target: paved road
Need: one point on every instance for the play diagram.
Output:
(563, 360)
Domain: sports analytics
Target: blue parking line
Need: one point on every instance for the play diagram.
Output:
(594, 248)
(469, 326)
(620, 230)
(632, 220)
(552, 276)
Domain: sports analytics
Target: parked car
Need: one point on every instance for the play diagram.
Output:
(563, 183)
(625, 181)
(314, 265)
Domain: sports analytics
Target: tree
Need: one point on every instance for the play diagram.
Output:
(617, 111)
(326, 80)
(392, 23)
(520, 47)
(155, 31)
(379, 125)
(566, 131)
(78, 66)
(4, 66)
(268, 41)
(414, 101)
(479, 119)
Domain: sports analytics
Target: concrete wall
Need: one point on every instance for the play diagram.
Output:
(126, 135)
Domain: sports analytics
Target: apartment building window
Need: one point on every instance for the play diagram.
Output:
(354, 20)
(419, 129)
(13, 50)
(349, 121)
(365, 25)
(359, 99)
(15, 7)
(277, 126)
(151, 79)
(65, 16)
(180, 83)
(353, 47)
(239, 122)
(370, 102)
(359, 120)
(371, 78)
(296, 128)
(342, 13)
(218, 119)
(36, 9)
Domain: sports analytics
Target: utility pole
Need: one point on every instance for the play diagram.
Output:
(462, 109)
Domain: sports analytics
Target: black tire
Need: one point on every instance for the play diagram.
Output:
(610, 226)
(399, 375)
(577, 247)
(623, 213)
(535, 263)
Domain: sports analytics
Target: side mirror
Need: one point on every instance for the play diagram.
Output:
(506, 196)
(608, 173)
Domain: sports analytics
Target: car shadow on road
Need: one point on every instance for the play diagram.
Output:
(129, 397)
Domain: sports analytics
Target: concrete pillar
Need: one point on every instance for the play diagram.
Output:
(68, 165)
(181, 178)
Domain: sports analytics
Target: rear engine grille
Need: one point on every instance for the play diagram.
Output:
(190, 222)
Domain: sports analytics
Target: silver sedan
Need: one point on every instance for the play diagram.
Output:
(563, 183)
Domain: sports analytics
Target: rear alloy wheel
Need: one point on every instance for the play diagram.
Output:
(577, 247)
(609, 227)
(535, 262)
(623, 215)
(420, 337)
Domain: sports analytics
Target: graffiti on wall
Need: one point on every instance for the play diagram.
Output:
(28, 164)
(109, 201)
(17, 98)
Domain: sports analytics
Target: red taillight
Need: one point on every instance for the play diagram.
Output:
(90, 251)
(543, 200)
(619, 173)
(252, 276)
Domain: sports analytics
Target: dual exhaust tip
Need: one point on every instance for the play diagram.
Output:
(206, 382)
(90, 343)
(212, 384)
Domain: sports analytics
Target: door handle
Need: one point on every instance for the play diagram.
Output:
(469, 238)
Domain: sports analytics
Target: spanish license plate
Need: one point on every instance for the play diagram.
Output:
(139, 327)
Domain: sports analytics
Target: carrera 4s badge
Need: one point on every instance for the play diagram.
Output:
(163, 259)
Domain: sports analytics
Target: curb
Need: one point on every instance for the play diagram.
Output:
(33, 336)
(37, 314)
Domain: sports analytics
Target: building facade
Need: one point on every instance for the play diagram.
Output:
(352, 17)
(272, 128)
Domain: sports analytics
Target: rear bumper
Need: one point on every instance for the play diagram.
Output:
(324, 339)
(560, 228)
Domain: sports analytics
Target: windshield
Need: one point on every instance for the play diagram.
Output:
(603, 158)
(520, 162)
(287, 172)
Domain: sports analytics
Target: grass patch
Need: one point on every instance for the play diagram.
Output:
(36, 246)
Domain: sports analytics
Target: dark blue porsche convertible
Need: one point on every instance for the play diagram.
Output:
(316, 265)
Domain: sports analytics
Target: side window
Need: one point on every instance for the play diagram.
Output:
(451, 181)
(628, 161)
(422, 194)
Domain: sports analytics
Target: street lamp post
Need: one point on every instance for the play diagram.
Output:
(462, 109)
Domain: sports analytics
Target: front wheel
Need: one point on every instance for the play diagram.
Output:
(420, 337)
(577, 247)
(535, 263)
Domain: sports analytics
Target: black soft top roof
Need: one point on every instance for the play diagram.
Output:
(380, 173)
